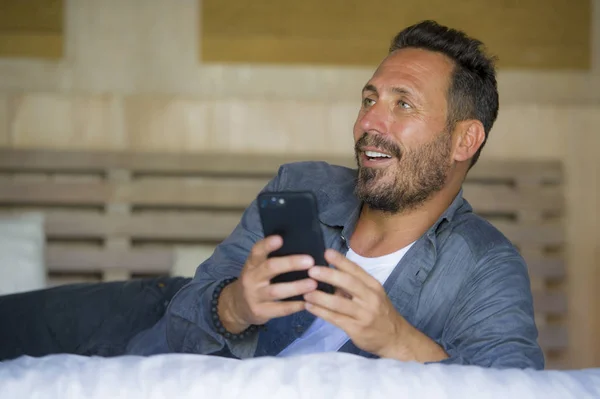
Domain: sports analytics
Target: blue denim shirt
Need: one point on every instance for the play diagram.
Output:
(462, 283)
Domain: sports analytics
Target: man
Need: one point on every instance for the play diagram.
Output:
(419, 277)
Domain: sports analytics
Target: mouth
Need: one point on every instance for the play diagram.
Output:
(372, 157)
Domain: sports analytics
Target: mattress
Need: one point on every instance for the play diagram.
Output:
(329, 375)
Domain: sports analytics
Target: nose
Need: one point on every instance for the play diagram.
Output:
(375, 118)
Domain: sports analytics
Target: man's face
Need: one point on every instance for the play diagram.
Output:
(402, 143)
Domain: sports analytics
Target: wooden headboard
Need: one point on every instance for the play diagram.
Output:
(119, 215)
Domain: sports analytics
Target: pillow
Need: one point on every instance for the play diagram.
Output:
(22, 243)
(187, 259)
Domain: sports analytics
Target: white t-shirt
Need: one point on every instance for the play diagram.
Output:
(325, 337)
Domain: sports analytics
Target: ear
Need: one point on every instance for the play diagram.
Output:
(470, 134)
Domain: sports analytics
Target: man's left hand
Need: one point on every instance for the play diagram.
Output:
(364, 311)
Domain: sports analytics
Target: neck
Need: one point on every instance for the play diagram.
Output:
(379, 233)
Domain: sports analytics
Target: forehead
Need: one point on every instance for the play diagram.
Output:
(423, 72)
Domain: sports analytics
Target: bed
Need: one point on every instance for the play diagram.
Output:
(333, 375)
(101, 211)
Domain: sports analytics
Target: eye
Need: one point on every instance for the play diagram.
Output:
(404, 104)
(367, 102)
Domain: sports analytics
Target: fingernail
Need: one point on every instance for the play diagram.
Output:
(314, 271)
(274, 241)
(306, 261)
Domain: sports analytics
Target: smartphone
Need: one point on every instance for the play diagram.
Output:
(293, 215)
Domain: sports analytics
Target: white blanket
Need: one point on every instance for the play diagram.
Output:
(334, 375)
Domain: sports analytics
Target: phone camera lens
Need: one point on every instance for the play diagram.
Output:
(263, 203)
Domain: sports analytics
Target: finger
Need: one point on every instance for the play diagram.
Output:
(273, 310)
(278, 291)
(261, 250)
(340, 279)
(344, 264)
(335, 303)
(340, 292)
(283, 264)
(337, 319)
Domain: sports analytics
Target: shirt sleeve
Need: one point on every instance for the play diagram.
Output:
(188, 323)
(492, 322)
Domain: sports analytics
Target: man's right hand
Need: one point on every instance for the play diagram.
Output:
(252, 299)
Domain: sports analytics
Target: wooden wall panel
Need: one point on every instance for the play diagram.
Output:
(4, 130)
(191, 124)
(551, 34)
(583, 234)
(44, 120)
(31, 28)
(175, 124)
(31, 15)
(32, 45)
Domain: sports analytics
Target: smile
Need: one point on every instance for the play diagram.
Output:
(372, 158)
(375, 154)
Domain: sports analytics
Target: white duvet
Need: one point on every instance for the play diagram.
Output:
(333, 375)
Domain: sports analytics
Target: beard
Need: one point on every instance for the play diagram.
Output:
(412, 180)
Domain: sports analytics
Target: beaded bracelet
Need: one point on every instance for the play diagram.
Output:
(215, 314)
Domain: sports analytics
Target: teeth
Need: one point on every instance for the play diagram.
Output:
(374, 154)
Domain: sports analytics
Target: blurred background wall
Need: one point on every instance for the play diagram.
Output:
(231, 75)
(285, 77)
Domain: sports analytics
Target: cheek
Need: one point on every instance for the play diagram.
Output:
(410, 132)
(405, 132)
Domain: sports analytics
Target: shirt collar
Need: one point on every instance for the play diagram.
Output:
(458, 206)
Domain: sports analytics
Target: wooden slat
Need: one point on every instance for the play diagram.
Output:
(48, 160)
(217, 225)
(500, 198)
(221, 194)
(225, 163)
(550, 303)
(551, 234)
(547, 269)
(239, 193)
(232, 164)
(583, 230)
(199, 226)
(67, 224)
(159, 192)
(213, 163)
(205, 193)
(118, 209)
(57, 193)
(511, 169)
(225, 194)
(203, 227)
(559, 363)
(97, 260)
(209, 227)
(553, 338)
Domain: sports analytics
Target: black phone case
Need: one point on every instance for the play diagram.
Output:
(294, 216)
